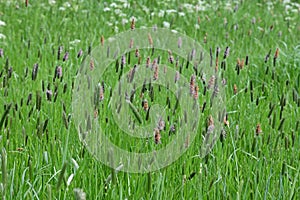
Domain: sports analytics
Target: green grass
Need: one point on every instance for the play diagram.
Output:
(38, 159)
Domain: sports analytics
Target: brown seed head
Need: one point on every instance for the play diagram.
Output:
(258, 129)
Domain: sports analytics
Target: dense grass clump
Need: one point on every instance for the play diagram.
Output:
(254, 45)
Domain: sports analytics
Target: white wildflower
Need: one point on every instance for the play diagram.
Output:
(106, 9)
(166, 24)
(171, 11)
(161, 13)
(124, 21)
(181, 14)
(133, 18)
(2, 23)
(76, 41)
(189, 7)
(117, 11)
(122, 15)
(145, 9)
(67, 5)
(2, 36)
(126, 5)
(113, 5)
(52, 2)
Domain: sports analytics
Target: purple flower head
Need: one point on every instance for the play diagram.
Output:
(224, 82)
(66, 56)
(154, 27)
(58, 71)
(226, 53)
(218, 51)
(267, 56)
(179, 42)
(35, 71)
(193, 53)
(1, 53)
(49, 95)
(123, 60)
(172, 129)
(59, 51)
(79, 53)
(177, 76)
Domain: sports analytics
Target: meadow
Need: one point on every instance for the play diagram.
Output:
(253, 45)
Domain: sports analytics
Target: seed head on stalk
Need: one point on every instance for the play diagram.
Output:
(226, 53)
(1, 53)
(35, 71)
(179, 43)
(155, 75)
(157, 136)
(59, 51)
(235, 90)
(148, 62)
(102, 40)
(132, 25)
(150, 40)
(258, 129)
(196, 89)
(131, 43)
(79, 54)
(92, 65)
(66, 56)
(192, 84)
(177, 76)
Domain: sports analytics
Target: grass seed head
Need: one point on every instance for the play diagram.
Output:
(161, 124)
(267, 56)
(196, 89)
(49, 95)
(155, 75)
(157, 136)
(59, 51)
(101, 93)
(66, 56)
(137, 53)
(258, 129)
(148, 61)
(150, 40)
(35, 71)
(226, 53)
(192, 84)
(145, 105)
(131, 43)
(1, 53)
(123, 60)
(79, 54)
(226, 122)
(177, 76)
(172, 129)
(211, 82)
(235, 89)
(102, 40)
(276, 53)
(58, 72)
(179, 43)
(92, 65)
(132, 25)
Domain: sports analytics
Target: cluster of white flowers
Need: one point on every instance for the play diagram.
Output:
(2, 23)
(291, 7)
